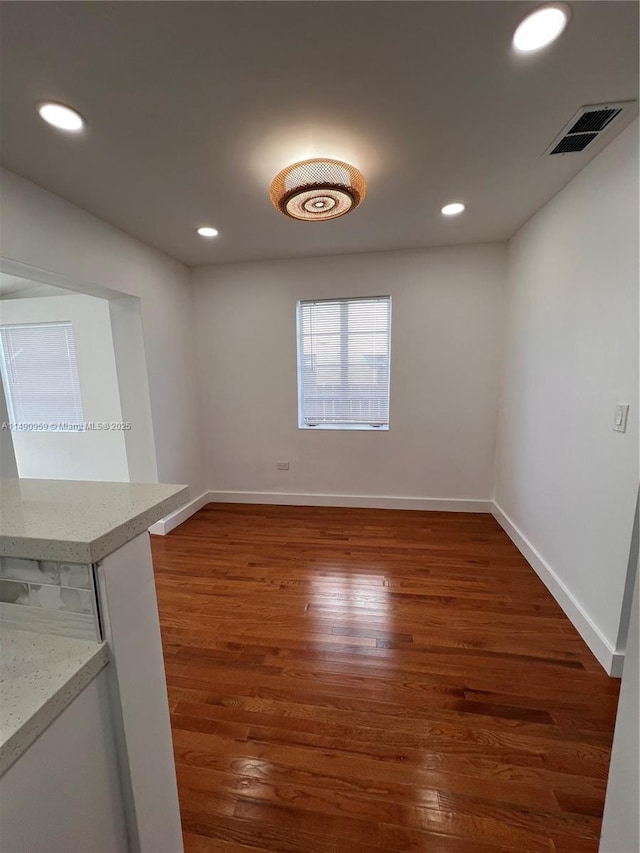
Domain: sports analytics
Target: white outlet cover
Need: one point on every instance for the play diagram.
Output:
(620, 417)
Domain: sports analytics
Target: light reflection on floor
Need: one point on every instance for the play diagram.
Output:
(359, 601)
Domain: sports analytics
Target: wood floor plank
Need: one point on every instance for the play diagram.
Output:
(360, 681)
(202, 844)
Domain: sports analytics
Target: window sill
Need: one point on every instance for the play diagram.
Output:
(346, 427)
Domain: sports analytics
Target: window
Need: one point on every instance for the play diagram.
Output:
(344, 348)
(41, 375)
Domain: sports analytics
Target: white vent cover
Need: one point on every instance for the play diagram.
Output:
(587, 125)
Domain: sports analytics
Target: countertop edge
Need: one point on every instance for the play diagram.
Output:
(119, 536)
(73, 551)
(52, 707)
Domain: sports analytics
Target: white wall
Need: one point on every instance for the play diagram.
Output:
(133, 386)
(620, 824)
(8, 467)
(86, 455)
(446, 341)
(564, 478)
(43, 230)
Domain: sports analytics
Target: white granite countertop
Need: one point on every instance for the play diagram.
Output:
(40, 674)
(78, 521)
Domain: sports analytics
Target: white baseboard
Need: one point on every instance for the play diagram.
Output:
(166, 524)
(360, 501)
(171, 521)
(604, 651)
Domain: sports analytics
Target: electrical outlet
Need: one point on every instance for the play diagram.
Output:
(620, 417)
(282, 465)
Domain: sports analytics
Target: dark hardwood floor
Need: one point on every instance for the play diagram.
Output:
(375, 681)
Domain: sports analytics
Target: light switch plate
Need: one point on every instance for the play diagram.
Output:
(282, 465)
(620, 417)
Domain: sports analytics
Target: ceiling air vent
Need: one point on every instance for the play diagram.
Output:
(586, 125)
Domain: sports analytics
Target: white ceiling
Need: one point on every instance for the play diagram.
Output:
(192, 108)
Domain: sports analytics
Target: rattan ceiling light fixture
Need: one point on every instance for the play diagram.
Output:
(317, 190)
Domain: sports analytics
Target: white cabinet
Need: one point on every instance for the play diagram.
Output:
(64, 793)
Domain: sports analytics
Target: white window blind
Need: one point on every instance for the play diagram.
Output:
(41, 374)
(344, 348)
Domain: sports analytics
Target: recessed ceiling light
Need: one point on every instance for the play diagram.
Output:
(541, 27)
(453, 209)
(64, 118)
(205, 231)
(318, 189)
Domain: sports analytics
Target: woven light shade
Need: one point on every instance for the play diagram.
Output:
(319, 189)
